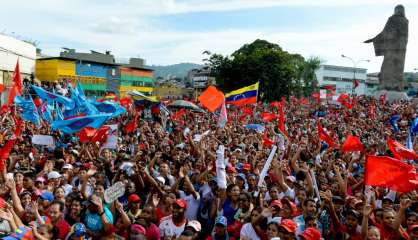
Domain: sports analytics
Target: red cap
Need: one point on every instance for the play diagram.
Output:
(311, 234)
(292, 205)
(181, 203)
(276, 203)
(289, 225)
(231, 169)
(246, 166)
(133, 198)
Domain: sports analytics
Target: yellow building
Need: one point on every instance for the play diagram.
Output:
(55, 69)
(169, 91)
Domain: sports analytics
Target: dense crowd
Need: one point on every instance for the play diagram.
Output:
(186, 178)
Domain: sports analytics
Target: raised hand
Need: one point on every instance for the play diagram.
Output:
(367, 210)
(405, 203)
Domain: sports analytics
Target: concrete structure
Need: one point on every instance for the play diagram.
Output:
(168, 90)
(12, 49)
(341, 78)
(97, 72)
(200, 79)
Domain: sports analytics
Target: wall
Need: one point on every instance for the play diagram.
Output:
(50, 70)
(342, 78)
(136, 79)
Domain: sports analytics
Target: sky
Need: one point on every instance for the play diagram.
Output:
(173, 31)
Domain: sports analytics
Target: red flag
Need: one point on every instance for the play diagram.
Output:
(5, 151)
(131, 126)
(324, 136)
(247, 111)
(317, 96)
(86, 134)
(356, 83)
(304, 101)
(179, 114)
(101, 134)
(268, 117)
(281, 126)
(401, 152)
(212, 98)
(126, 102)
(17, 85)
(266, 141)
(352, 144)
(2, 88)
(343, 98)
(390, 173)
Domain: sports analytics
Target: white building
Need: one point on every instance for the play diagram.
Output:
(342, 79)
(12, 49)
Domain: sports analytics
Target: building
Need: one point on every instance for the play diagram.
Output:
(372, 84)
(342, 78)
(97, 72)
(12, 49)
(200, 79)
(170, 90)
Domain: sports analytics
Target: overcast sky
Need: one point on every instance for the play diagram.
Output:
(173, 31)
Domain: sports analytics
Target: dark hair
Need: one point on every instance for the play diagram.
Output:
(187, 233)
(30, 175)
(60, 204)
(305, 203)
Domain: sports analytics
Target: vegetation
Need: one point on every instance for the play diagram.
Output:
(279, 72)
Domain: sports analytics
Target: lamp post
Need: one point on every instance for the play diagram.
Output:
(355, 63)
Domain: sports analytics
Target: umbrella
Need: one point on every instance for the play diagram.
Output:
(256, 127)
(184, 104)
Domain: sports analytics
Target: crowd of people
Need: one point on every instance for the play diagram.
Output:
(187, 178)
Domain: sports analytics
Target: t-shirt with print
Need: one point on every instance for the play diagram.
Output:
(94, 222)
(169, 229)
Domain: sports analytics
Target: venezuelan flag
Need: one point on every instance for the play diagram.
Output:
(242, 96)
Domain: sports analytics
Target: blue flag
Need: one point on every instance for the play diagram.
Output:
(414, 126)
(29, 111)
(114, 109)
(45, 111)
(74, 125)
(50, 97)
(394, 122)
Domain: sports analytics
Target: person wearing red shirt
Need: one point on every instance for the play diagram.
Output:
(57, 217)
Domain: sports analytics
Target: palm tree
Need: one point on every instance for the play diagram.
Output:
(309, 77)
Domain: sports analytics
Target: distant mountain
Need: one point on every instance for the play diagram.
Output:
(179, 70)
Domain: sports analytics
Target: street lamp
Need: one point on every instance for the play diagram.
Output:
(355, 63)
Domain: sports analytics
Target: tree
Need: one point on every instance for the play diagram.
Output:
(279, 72)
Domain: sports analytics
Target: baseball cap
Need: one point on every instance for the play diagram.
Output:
(40, 179)
(53, 175)
(289, 225)
(160, 179)
(242, 176)
(78, 230)
(197, 227)
(67, 166)
(181, 203)
(138, 229)
(133, 198)
(276, 203)
(47, 196)
(311, 234)
(221, 220)
(387, 199)
(291, 178)
(291, 204)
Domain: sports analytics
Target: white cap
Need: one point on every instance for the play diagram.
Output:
(160, 179)
(67, 166)
(195, 225)
(53, 175)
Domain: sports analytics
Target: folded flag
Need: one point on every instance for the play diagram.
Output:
(352, 144)
(282, 116)
(45, 111)
(178, 115)
(266, 141)
(356, 83)
(324, 136)
(211, 98)
(131, 126)
(16, 89)
(86, 134)
(50, 97)
(5, 151)
(126, 102)
(401, 152)
(383, 171)
(29, 111)
(243, 96)
(75, 124)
